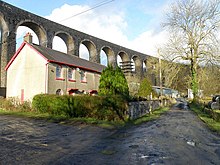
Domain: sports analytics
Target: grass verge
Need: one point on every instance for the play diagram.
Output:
(71, 121)
(149, 117)
(63, 119)
(211, 123)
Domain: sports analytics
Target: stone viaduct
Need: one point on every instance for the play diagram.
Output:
(12, 17)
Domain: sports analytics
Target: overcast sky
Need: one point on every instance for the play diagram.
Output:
(135, 24)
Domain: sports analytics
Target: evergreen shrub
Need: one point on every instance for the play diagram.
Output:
(99, 107)
(113, 82)
(145, 89)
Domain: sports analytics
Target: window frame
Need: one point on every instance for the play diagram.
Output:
(83, 78)
(71, 78)
(60, 76)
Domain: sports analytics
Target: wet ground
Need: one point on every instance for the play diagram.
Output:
(178, 137)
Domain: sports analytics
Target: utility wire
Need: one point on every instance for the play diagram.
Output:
(96, 6)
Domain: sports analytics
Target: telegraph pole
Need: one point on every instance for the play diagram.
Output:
(160, 74)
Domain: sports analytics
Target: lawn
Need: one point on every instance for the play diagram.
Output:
(211, 123)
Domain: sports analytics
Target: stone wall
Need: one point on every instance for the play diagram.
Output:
(141, 108)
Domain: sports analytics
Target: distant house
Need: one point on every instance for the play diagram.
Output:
(36, 69)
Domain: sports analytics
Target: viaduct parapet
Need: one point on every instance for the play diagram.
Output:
(12, 17)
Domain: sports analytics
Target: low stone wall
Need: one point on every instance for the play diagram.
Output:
(141, 108)
(138, 109)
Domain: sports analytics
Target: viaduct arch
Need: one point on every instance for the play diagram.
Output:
(12, 17)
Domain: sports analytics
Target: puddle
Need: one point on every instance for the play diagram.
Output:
(191, 143)
(144, 156)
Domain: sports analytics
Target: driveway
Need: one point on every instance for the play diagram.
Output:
(178, 137)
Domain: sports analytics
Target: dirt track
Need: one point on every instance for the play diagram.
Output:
(178, 137)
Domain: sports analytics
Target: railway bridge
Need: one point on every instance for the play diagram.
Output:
(12, 17)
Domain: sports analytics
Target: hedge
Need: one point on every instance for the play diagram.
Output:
(100, 107)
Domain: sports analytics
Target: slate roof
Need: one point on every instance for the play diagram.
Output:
(55, 56)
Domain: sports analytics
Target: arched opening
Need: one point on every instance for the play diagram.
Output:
(133, 65)
(119, 60)
(21, 32)
(37, 31)
(59, 44)
(63, 42)
(137, 64)
(122, 57)
(109, 58)
(91, 49)
(103, 58)
(145, 66)
(83, 52)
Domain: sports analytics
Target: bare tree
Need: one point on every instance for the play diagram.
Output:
(209, 78)
(193, 27)
(174, 75)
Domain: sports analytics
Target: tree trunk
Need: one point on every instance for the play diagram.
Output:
(194, 83)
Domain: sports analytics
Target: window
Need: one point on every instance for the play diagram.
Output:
(58, 71)
(83, 76)
(71, 74)
(59, 75)
(59, 92)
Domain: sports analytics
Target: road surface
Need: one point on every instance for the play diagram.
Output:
(178, 137)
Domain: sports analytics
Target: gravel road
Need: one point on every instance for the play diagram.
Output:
(178, 137)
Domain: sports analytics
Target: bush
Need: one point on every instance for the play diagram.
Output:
(40, 103)
(77, 106)
(12, 104)
(145, 89)
(24, 107)
(113, 82)
(100, 107)
(6, 104)
(112, 108)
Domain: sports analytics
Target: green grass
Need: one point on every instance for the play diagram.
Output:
(34, 115)
(64, 119)
(71, 121)
(211, 123)
(149, 117)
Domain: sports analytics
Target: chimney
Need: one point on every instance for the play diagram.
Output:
(28, 38)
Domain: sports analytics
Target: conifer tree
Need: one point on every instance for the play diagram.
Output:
(113, 82)
(145, 89)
